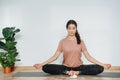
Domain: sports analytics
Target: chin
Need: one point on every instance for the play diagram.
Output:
(71, 34)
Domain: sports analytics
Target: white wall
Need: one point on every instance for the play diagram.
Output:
(42, 24)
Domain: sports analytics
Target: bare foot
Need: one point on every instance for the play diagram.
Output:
(71, 73)
(76, 72)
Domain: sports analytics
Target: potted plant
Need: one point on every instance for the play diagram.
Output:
(8, 54)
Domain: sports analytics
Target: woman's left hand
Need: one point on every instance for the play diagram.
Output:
(37, 66)
(107, 66)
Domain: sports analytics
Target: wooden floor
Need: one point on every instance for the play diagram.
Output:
(9, 76)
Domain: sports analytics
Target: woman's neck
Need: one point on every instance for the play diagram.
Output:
(71, 37)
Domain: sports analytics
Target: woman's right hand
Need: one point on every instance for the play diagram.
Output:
(37, 66)
(107, 66)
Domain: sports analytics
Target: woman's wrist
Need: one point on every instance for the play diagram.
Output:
(102, 64)
(41, 64)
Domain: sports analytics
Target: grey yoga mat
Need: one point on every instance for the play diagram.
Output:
(42, 74)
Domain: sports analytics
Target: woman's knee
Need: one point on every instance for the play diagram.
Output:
(53, 69)
(100, 69)
(44, 68)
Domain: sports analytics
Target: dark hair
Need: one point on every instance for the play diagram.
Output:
(76, 34)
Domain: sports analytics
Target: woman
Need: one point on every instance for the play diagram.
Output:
(72, 48)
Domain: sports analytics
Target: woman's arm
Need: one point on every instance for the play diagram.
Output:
(93, 60)
(53, 58)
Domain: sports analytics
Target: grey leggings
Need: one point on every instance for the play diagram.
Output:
(56, 69)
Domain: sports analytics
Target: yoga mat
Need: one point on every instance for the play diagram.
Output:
(42, 74)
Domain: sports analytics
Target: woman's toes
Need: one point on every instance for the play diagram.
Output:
(76, 72)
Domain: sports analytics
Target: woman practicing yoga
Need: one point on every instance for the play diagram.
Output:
(72, 48)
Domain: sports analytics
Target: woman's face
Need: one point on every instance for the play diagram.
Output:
(71, 30)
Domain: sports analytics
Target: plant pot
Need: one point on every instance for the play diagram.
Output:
(7, 70)
(13, 67)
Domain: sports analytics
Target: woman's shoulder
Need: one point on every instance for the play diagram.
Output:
(82, 41)
(63, 40)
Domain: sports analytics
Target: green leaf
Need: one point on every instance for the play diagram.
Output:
(12, 28)
(3, 46)
(7, 32)
(9, 59)
(18, 59)
(11, 45)
(12, 51)
(15, 54)
(3, 65)
(17, 30)
(2, 39)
